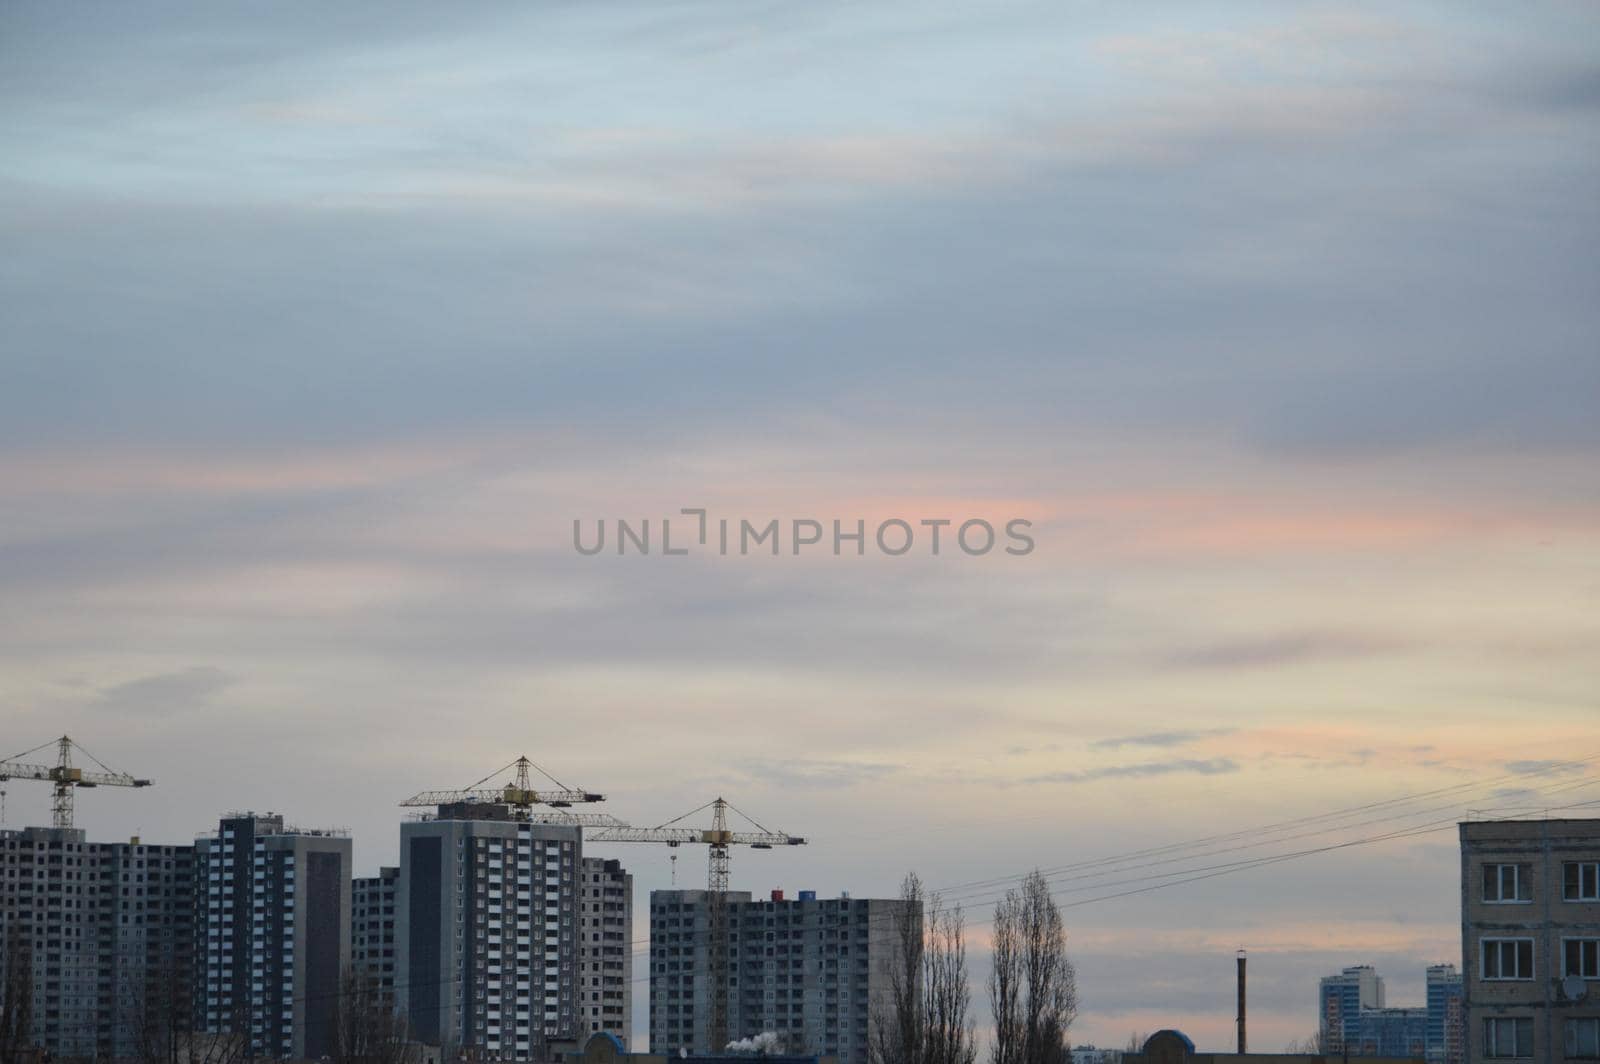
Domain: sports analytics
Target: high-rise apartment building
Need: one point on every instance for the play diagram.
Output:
(105, 933)
(274, 913)
(1342, 998)
(1356, 1019)
(1446, 1019)
(373, 902)
(808, 970)
(486, 934)
(1530, 936)
(605, 990)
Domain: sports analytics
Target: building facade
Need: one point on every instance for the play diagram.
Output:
(486, 935)
(605, 994)
(1530, 938)
(1447, 1025)
(805, 969)
(1391, 1032)
(103, 933)
(274, 930)
(372, 918)
(1341, 999)
(1355, 1018)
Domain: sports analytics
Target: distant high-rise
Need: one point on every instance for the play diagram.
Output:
(1530, 936)
(1341, 999)
(805, 969)
(1390, 1032)
(274, 910)
(605, 992)
(372, 929)
(106, 931)
(486, 932)
(1446, 1020)
(1356, 1020)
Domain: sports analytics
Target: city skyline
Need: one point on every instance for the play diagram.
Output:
(320, 328)
(1400, 814)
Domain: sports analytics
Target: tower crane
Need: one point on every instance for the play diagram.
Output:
(520, 797)
(718, 838)
(65, 777)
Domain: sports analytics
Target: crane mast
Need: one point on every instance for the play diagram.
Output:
(64, 776)
(717, 918)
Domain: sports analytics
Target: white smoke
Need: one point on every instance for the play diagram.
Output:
(765, 1044)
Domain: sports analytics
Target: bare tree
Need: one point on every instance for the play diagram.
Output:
(367, 1027)
(924, 1016)
(1136, 1041)
(947, 1036)
(1033, 987)
(1316, 1042)
(161, 1025)
(897, 1017)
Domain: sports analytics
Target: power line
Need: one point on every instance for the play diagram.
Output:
(1294, 822)
(1109, 862)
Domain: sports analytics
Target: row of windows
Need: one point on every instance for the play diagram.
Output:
(1512, 1037)
(1512, 958)
(1510, 884)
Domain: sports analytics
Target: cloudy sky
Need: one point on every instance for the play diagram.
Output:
(319, 327)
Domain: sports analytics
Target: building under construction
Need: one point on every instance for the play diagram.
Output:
(99, 939)
(494, 936)
(804, 968)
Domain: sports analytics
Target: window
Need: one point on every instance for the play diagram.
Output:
(1508, 1037)
(1505, 884)
(1580, 881)
(1581, 957)
(1507, 958)
(1583, 1038)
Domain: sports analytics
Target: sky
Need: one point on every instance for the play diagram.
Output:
(321, 326)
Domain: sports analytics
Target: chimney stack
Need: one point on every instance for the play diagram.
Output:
(1243, 1042)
